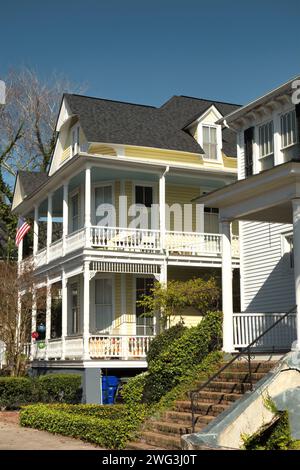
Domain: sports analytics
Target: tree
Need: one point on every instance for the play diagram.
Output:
(171, 300)
(15, 325)
(27, 136)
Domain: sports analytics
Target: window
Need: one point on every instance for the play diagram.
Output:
(74, 309)
(210, 142)
(144, 196)
(266, 139)
(211, 220)
(103, 304)
(144, 324)
(288, 129)
(75, 212)
(248, 141)
(288, 247)
(103, 206)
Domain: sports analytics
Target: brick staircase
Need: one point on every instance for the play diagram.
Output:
(230, 385)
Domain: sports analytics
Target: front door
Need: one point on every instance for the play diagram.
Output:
(144, 324)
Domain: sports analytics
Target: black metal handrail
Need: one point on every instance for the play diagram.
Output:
(246, 350)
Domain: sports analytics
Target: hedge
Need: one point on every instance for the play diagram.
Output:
(18, 391)
(107, 426)
(162, 341)
(181, 355)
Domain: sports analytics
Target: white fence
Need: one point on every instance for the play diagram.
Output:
(248, 326)
(128, 239)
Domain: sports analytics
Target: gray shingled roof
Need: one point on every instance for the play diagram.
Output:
(31, 180)
(183, 110)
(132, 124)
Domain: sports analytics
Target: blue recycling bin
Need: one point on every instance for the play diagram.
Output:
(109, 388)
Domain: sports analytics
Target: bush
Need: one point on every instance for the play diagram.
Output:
(106, 426)
(163, 340)
(18, 391)
(65, 388)
(181, 355)
(133, 391)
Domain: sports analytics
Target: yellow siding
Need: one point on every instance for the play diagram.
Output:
(102, 149)
(182, 195)
(230, 162)
(117, 195)
(117, 300)
(128, 193)
(66, 153)
(163, 155)
(129, 294)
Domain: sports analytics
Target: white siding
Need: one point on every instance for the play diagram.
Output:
(267, 282)
(241, 155)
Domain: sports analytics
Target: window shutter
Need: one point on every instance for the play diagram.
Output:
(297, 107)
(248, 139)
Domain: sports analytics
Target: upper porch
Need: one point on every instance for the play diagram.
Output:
(126, 212)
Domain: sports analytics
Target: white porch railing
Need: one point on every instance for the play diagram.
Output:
(55, 250)
(54, 349)
(74, 347)
(248, 326)
(129, 239)
(193, 243)
(41, 257)
(27, 350)
(75, 240)
(126, 347)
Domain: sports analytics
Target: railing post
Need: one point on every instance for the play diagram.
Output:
(227, 298)
(249, 367)
(64, 313)
(86, 310)
(36, 230)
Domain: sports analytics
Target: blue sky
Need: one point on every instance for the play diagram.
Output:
(146, 51)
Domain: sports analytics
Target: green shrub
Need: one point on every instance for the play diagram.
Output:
(163, 340)
(182, 354)
(276, 436)
(133, 391)
(96, 424)
(18, 391)
(64, 388)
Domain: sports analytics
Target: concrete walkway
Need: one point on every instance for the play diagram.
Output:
(14, 437)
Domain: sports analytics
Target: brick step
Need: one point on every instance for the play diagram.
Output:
(157, 439)
(216, 397)
(240, 377)
(166, 427)
(255, 366)
(185, 418)
(227, 387)
(138, 445)
(211, 409)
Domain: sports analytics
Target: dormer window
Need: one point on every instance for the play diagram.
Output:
(288, 129)
(210, 145)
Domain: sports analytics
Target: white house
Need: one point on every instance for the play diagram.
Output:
(266, 202)
(115, 212)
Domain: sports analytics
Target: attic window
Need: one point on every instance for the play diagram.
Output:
(210, 145)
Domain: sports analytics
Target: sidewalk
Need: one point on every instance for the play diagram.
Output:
(14, 437)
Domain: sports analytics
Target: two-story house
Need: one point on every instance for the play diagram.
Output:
(115, 212)
(266, 202)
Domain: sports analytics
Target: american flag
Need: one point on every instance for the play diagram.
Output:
(22, 229)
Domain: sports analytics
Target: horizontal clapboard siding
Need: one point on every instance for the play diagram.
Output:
(267, 278)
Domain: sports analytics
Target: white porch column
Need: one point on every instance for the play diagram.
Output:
(200, 218)
(296, 242)
(86, 310)
(123, 329)
(36, 230)
(33, 322)
(227, 302)
(20, 256)
(87, 199)
(65, 215)
(48, 312)
(64, 312)
(49, 225)
(162, 210)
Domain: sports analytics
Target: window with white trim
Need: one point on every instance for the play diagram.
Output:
(74, 308)
(103, 304)
(210, 145)
(266, 139)
(288, 129)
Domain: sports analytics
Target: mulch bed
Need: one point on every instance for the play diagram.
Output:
(9, 417)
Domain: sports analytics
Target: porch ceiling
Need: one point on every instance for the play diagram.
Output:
(265, 197)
